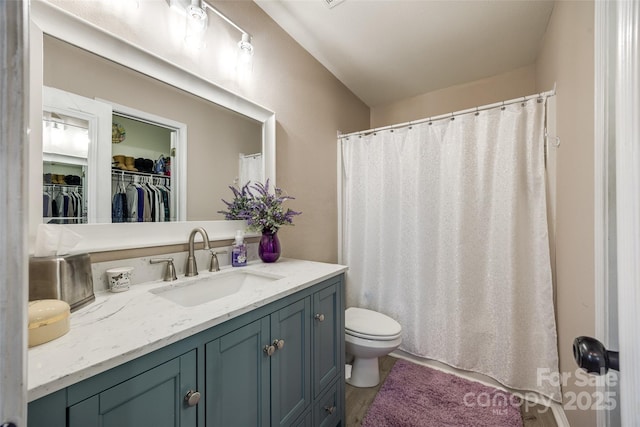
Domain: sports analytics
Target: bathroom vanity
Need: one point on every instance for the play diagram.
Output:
(271, 355)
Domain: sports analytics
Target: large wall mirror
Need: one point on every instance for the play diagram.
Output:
(203, 137)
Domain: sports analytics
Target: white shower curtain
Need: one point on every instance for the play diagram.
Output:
(445, 230)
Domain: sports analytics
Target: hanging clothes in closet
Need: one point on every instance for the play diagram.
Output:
(143, 199)
(47, 205)
(159, 201)
(135, 202)
(62, 204)
(119, 208)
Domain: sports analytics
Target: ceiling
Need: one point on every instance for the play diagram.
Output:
(387, 50)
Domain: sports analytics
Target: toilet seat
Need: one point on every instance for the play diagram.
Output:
(373, 337)
(371, 325)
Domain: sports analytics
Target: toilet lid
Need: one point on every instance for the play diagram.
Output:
(371, 323)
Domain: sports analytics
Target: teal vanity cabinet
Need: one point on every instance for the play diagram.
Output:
(278, 365)
(328, 355)
(259, 375)
(154, 398)
(148, 391)
(285, 369)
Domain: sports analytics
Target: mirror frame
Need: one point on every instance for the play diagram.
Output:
(48, 19)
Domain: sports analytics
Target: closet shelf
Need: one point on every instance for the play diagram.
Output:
(46, 184)
(132, 173)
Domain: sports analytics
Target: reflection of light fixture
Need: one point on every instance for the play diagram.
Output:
(53, 120)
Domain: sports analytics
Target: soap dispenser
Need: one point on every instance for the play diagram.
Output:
(239, 251)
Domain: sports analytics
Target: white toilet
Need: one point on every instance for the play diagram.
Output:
(369, 335)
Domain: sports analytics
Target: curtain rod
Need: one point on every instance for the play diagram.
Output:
(539, 97)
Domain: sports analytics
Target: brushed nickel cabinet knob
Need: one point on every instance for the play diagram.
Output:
(192, 398)
(269, 350)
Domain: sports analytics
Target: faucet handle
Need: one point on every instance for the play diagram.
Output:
(214, 265)
(169, 272)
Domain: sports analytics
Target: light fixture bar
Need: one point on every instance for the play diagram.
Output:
(206, 5)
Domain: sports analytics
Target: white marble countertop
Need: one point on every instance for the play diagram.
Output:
(119, 327)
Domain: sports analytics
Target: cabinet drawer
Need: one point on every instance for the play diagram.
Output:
(328, 409)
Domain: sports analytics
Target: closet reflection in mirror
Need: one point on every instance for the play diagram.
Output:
(141, 171)
(219, 142)
(65, 148)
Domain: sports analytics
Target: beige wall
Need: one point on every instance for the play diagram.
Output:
(509, 85)
(309, 102)
(567, 58)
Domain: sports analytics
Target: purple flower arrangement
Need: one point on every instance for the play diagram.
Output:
(261, 208)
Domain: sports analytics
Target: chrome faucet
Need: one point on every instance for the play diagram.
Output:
(192, 268)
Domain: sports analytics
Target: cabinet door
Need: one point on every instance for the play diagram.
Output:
(48, 411)
(328, 354)
(237, 378)
(152, 399)
(291, 364)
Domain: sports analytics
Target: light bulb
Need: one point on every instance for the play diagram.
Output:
(196, 26)
(246, 48)
(196, 16)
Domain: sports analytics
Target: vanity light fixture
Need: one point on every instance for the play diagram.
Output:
(197, 21)
(196, 14)
(244, 45)
(246, 48)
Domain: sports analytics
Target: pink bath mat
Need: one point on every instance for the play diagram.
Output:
(418, 396)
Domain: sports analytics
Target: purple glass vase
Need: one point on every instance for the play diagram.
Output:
(269, 247)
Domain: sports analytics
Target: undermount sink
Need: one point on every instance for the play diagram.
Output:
(200, 290)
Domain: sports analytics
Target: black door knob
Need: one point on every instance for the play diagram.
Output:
(593, 357)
